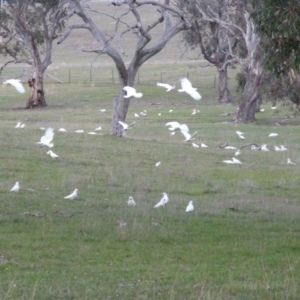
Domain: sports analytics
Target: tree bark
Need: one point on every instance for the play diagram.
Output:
(37, 97)
(224, 93)
(251, 94)
(258, 102)
(121, 105)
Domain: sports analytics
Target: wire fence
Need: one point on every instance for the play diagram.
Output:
(206, 76)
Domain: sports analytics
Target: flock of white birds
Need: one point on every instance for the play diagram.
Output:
(47, 138)
(186, 86)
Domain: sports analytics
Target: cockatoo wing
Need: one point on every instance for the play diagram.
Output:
(194, 94)
(173, 125)
(165, 85)
(17, 84)
(124, 125)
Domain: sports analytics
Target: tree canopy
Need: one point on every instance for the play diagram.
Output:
(278, 23)
(28, 29)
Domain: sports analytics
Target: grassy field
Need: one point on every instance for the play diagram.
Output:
(240, 242)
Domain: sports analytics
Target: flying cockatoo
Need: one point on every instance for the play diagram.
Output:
(47, 138)
(167, 86)
(131, 92)
(16, 83)
(126, 126)
(173, 125)
(186, 86)
(188, 137)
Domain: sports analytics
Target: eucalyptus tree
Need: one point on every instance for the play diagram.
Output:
(128, 21)
(216, 43)
(29, 28)
(242, 28)
(278, 22)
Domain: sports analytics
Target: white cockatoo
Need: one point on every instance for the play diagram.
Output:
(16, 83)
(131, 92)
(164, 200)
(131, 202)
(186, 86)
(190, 207)
(73, 195)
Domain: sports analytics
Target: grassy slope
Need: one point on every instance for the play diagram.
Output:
(212, 253)
(78, 252)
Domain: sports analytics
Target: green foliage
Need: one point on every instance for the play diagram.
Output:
(273, 87)
(278, 21)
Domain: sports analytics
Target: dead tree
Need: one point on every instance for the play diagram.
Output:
(145, 46)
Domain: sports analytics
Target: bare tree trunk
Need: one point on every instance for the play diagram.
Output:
(258, 103)
(224, 93)
(37, 97)
(121, 104)
(251, 94)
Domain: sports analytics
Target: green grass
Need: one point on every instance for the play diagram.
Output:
(77, 251)
(242, 240)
